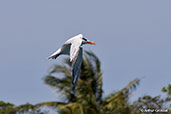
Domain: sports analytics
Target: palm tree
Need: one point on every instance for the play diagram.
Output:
(9, 108)
(88, 95)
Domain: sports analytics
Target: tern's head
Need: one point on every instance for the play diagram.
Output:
(86, 41)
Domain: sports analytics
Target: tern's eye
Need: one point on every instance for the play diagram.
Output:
(84, 39)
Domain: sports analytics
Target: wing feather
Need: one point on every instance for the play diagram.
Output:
(76, 68)
(74, 49)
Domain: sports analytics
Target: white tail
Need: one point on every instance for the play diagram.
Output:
(55, 54)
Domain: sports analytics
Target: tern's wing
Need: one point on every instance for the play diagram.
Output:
(76, 68)
(65, 49)
(55, 54)
(74, 49)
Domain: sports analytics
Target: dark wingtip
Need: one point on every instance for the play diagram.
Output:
(73, 90)
(52, 57)
(49, 57)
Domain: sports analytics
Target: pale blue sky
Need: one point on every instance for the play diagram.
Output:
(133, 40)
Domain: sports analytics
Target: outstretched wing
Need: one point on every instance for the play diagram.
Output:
(74, 49)
(55, 54)
(76, 67)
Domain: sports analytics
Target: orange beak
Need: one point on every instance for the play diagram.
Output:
(91, 42)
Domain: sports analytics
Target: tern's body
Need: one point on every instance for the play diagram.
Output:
(72, 47)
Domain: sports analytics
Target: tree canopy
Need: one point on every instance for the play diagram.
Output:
(88, 97)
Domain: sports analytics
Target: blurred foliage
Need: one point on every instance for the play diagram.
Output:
(167, 90)
(148, 102)
(88, 97)
(8, 108)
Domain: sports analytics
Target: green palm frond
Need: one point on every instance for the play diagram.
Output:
(92, 60)
(63, 108)
(131, 86)
(58, 106)
(56, 69)
(88, 95)
(62, 85)
(28, 108)
(85, 94)
(126, 90)
(72, 108)
(51, 104)
(90, 72)
(120, 98)
(167, 90)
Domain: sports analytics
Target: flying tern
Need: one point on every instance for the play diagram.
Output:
(72, 47)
